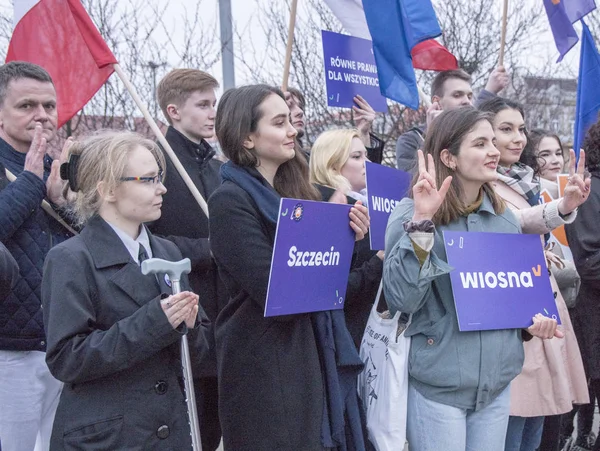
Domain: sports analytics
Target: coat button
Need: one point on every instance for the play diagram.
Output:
(430, 341)
(163, 432)
(161, 387)
(43, 343)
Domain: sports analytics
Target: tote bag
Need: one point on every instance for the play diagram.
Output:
(383, 384)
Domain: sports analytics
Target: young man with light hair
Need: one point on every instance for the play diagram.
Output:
(187, 99)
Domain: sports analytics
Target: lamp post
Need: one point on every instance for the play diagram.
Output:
(226, 44)
(153, 67)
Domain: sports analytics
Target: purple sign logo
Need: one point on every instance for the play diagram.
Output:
(311, 258)
(499, 281)
(350, 69)
(385, 187)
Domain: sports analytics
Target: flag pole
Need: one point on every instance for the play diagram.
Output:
(161, 139)
(290, 42)
(503, 33)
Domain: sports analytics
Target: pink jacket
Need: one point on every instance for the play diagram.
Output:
(553, 377)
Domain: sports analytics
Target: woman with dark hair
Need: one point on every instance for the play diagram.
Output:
(547, 158)
(278, 385)
(584, 242)
(553, 378)
(458, 395)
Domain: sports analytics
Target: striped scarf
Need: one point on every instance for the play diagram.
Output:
(523, 180)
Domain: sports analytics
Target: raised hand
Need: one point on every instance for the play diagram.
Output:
(578, 187)
(433, 111)
(55, 185)
(498, 80)
(34, 160)
(426, 195)
(364, 115)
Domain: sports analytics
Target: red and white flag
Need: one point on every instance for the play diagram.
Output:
(60, 36)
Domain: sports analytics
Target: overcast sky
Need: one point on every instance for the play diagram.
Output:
(246, 20)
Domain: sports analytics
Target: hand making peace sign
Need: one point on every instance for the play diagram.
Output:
(426, 195)
(578, 187)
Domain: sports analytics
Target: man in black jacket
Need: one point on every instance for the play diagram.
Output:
(187, 99)
(28, 118)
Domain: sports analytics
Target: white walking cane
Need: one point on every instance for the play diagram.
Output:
(174, 270)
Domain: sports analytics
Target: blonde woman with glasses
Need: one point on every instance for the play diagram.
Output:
(112, 332)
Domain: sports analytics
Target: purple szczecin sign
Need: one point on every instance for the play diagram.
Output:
(385, 187)
(499, 281)
(311, 258)
(350, 70)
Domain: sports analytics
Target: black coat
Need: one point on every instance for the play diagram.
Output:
(111, 344)
(584, 241)
(270, 383)
(183, 222)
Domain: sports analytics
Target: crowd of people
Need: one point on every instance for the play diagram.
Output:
(89, 346)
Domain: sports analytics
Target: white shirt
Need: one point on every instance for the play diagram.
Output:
(133, 246)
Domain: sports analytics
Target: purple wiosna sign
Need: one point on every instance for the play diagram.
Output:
(499, 281)
(311, 258)
(385, 187)
(350, 70)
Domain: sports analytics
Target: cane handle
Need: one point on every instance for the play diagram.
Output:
(173, 269)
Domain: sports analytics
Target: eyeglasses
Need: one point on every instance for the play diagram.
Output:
(154, 180)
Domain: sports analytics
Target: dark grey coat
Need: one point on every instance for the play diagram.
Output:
(584, 241)
(111, 344)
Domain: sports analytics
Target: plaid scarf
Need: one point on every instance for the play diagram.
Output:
(522, 179)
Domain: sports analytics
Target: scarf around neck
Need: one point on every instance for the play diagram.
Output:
(340, 362)
(523, 180)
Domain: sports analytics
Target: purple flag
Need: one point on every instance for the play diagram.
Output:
(562, 14)
(311, 258)
(495, 287)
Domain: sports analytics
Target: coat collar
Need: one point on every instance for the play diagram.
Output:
(179, 141)
(107, 250)
(486, 205)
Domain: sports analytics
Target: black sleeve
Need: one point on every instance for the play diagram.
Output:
(77, 351)
(241, 246)
(584, 239)
(375, 150)
(363, 282)
(19, 200)
(9, 271)
(483, 96)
